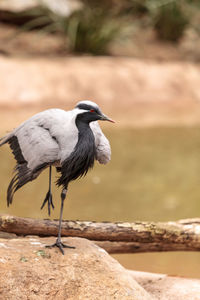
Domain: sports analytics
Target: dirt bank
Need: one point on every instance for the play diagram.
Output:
(135, 92)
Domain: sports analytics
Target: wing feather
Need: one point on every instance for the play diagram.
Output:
(47, 137)
(102, 144)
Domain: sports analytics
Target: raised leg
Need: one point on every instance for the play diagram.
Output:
(48, 198)
(58, 242)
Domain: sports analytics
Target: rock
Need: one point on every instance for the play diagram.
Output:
(28, 270)
(165, 287)
(60, 7)
(16, 6)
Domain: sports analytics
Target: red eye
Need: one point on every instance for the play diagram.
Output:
(91, 110)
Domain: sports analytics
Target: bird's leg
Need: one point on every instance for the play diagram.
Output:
(48, 197)
(58, 242)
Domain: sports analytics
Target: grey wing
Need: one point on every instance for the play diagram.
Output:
(45, 138)
(34, 149)
(102, 144)
(41, 137)
(38, 147)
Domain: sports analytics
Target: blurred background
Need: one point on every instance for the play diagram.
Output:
(139, 60)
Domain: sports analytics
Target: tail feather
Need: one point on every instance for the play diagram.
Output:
(10, 190)
(22, 175)
(5, 139)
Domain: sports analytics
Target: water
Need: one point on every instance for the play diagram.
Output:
(154, 175)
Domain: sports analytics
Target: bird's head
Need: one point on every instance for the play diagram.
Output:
(90, 112)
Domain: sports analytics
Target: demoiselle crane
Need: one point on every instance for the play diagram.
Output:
(69, 140)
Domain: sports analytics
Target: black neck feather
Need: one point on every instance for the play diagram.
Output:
(83, 156)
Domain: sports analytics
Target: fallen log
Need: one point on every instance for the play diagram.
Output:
(135, 237)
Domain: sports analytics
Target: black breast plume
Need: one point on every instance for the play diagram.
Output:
(81, 159)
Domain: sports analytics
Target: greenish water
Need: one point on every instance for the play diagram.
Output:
(154, 175)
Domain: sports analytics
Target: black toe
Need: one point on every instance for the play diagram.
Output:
(48, 199)
(60, 246)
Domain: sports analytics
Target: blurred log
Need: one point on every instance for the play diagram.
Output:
(183, 235)
(138, 247)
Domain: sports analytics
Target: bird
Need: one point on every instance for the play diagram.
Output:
(71, 141)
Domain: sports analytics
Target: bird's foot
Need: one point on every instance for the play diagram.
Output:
(48, 199)
(60, 246)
